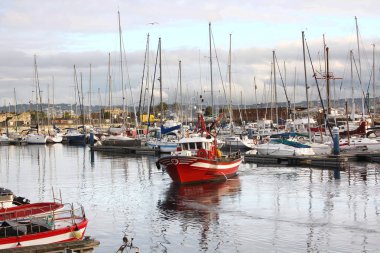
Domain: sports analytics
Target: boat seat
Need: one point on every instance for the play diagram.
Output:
(42, 222)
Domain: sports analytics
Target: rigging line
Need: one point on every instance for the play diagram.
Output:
(154, 78)
(220, 72)
(344, 72)
(360, 82)
(283, 84)
(319, 91)
(143, 77)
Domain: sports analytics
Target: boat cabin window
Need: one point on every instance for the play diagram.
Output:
(199, 145)
(192, 145)
(184, 146)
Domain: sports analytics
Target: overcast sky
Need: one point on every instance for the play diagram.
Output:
(66, 33)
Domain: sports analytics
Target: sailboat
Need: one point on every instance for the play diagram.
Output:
(36, 137)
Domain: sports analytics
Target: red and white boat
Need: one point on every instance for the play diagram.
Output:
(56, 226)
(208, 164)
(12, 207)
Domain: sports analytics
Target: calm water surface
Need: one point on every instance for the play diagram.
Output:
(264, 209)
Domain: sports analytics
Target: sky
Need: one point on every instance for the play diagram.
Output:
(61, 34)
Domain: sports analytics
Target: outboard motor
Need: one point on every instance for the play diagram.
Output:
(18, 201)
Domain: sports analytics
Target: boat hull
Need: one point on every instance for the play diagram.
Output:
(27, 210)
(64, 234)
(192, 169)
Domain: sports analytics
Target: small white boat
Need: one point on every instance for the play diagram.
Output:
(237, 142)
(278, 147)
(4, 139)
(36, 138)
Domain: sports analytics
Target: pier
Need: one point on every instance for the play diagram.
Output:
(340, 162)
(87, 245)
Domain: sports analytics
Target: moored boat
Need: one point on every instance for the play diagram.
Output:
(56, 226)
(207, 164)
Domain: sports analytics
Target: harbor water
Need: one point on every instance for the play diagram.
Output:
(263, 209)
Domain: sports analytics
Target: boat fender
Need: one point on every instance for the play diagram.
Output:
(158, 165)
(202, 153)
(218, 153)
(255, 142)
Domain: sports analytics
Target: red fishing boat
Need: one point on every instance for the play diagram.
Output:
(56, 226)
(208, 164)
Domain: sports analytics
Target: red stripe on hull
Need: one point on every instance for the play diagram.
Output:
(28, 210)
(183, 169)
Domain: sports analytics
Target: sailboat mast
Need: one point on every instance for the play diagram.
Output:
(90, 107)
(328, 81)
(15, 100)
(274, 85)
(352, 87)
(257, 102)
(109, 87)
(121, 67)
(306, 85)
(358, 45)
(37, 90)
(229, 81)
(212, 89)
(373, 81)
(180, 91)
(160, 62)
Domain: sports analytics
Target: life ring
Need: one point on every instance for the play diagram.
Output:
(202, 153)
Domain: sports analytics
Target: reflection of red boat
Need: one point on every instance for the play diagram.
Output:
(182, 197)
(55, 226)
(207, 165)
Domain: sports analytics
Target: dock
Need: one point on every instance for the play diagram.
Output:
(331, 162)
(340, 162)
(137, 150)
(87, 245)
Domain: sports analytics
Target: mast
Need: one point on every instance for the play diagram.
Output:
(180, 91)
(121, 67)
(352, 87)
(212, 90)
(53, 109)
(90, 109)
(306, 85)
(229, 81)
(257, 108)
(14, 95)
(373, 81)
(160, 62)
(328, 81)
(274, 85)
(143, 77)
(38, 91)
(357, 41)
(110, 87)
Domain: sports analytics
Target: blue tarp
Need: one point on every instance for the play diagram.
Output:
(169, 129)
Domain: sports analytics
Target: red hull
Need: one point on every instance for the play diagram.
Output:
(28, 210)
(191, 169)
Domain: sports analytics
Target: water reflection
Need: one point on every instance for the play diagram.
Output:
(198, 205)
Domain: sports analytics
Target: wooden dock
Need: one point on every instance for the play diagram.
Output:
(328, 162)
(87, 245)
(138, 150)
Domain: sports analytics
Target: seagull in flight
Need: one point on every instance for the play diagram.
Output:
(152, 23)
